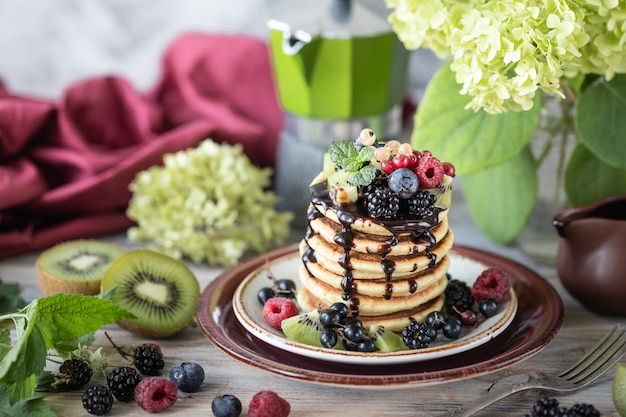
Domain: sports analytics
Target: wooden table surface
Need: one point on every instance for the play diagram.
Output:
(226, 375)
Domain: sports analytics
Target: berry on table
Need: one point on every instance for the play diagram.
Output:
(122, 382)
(268, 403)
(491, 283)
(97, 400)
(226, 405)
(155, 394)
(550, 407)
(188, 376)
(73, 374)
(276, 310)
(148, 359)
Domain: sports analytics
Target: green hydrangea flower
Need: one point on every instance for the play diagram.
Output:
(208, 203)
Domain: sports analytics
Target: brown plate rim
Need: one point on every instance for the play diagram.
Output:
(537, 322)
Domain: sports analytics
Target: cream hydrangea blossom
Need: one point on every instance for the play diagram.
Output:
(505, 51)
(207, 203)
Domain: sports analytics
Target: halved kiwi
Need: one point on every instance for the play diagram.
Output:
(159, 290)
(304, 328)
(75, 266)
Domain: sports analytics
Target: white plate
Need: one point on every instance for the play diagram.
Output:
(249, 312)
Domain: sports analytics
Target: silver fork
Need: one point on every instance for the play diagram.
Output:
(583, 372)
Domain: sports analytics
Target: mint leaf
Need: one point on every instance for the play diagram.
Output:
(364, 176)
(342, 153)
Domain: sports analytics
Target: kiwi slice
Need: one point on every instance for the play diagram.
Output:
(443, 192)
(304, 328)
(159, 290)
(75, 266)
(385, 340)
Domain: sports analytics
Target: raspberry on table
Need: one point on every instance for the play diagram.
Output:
(148, 360)
(276, 310)
(268, 404)
(154, 394)
(97, 400)
(122, 382)
(73, 374)
(491, 283)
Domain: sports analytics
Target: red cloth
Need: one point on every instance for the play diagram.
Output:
(65, 167)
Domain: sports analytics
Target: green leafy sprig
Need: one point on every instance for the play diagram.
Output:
(353, 161)
(60, 322)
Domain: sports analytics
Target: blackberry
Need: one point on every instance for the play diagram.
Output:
(122, 382)
(421, 204)
(381, 203)
(458, 297)
(148, 360)
(98, 400)
(549, 407)
(418, 335)
(73, 374)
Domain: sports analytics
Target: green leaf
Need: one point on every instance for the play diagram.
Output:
(32, 406)
(501, 198)
(472, 141)
(342, 152)
(364, 176)
(588, 179)
(601, 121)
(10, 299)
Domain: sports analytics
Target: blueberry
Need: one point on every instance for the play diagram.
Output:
(286, 288)
(403, 182)
(188, 376)
(488, 307)
(452, 328)
(265, 294)
(226, 406)
(330, 318)
(341, 308)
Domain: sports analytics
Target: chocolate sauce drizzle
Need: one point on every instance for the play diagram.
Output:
(419, 231)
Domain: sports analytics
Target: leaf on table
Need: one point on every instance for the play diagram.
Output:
(32, 406)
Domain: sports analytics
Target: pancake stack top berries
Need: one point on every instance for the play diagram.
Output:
(378, 236)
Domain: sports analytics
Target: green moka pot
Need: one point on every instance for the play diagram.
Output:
(337, 59)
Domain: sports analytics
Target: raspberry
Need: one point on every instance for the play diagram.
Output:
(97, 400)
(155, 394)
(491, 283)
(429, 171)
(276, 310)
(268, 404)
(148, 359)
(73, 374)
(122, 382)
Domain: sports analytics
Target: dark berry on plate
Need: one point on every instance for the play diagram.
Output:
(458, 296)
(352, 321)
(403, 182)
(366, 345)
(381, 203)
(418, 335)
(354, 333)
(435, 319)
(268, 403)
(188, 376)
(122, 382)
(285, 288)
(491, 283)
(341, 308)
(452, 328)
(469, 317)
(155, 394)
(276, 310)
(73, 374)
(97, 400)
(350, 346)
(265, 294)
(488, 307)
(330, 318)
(226, 406)
(148, 359)
(328, 338)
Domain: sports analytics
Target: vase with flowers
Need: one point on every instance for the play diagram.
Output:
(509, 64)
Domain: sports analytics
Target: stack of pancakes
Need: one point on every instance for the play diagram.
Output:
(387, 272)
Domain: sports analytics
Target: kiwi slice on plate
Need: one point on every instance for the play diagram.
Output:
(159, 290)
(304, 328)
(385, 340)
(75, 267)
